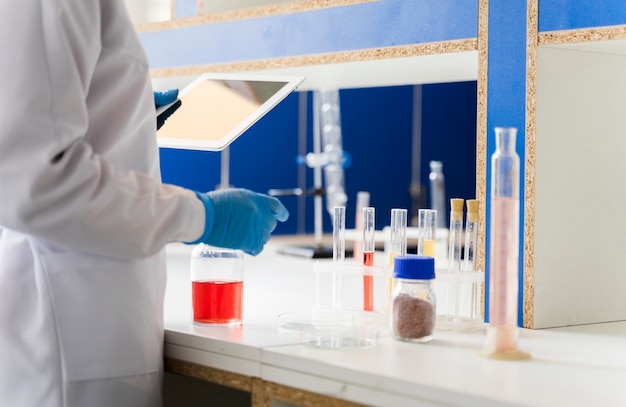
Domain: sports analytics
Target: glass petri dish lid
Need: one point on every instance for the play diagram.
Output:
(354, 336)
(316, 319)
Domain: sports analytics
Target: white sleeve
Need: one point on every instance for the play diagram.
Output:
(78, 163)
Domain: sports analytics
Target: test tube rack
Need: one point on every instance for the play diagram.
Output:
(459, 300)
(339, 286)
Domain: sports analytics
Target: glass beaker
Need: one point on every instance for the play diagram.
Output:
(216, 285)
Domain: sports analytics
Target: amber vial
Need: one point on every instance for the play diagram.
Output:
(413, 298)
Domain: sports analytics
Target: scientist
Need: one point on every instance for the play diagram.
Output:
(84, 217)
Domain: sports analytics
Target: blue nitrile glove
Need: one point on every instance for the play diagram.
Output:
(240, 219)
(165, 98)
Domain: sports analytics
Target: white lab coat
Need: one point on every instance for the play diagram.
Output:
(84, 217)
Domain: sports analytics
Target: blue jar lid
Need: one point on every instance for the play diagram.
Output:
(414, 267)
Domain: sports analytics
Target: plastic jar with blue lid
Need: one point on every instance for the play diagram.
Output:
(413, 298)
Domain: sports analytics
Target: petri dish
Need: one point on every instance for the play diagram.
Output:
(299, 321)
(341, 337)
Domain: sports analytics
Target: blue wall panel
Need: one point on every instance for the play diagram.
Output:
(571, 14)
(366, 25)
(449, 136)
(376, 128)
(506, 103)
(377, 132)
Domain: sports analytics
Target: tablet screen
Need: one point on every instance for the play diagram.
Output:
(218, 108)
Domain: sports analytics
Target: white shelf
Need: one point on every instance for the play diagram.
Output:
(423, 69)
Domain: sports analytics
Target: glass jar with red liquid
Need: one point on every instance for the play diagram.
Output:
(216, 285)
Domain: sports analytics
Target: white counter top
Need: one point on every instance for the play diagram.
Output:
(575, 366)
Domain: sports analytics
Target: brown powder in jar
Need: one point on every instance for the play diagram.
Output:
(413, 318)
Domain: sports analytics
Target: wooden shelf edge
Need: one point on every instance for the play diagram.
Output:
(593, 34)
(247, 13)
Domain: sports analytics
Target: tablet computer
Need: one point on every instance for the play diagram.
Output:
(217, 108)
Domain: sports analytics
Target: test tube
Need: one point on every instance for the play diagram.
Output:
(339, 233)
(397, 240)
(471, 235)
(472, 291)
(456, 234)
(502, 334)
(427, 232)
(362, 201)
(369, 246)
(339, 252)
(398, 234)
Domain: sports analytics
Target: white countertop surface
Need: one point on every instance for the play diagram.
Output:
(573, 366)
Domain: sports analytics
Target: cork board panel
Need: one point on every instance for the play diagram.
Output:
(303, 398)
(481, 127)
(295, 6)
(210, 374)
(435, 48)
(481, 137)
(582, 35)
(529, 157)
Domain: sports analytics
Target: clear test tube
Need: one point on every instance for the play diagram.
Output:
(339, 252)
(339, 233)
(362, 201)
(369, 247)
(426, 232)
(397, 239)
(471, 291)
(456, 234)
(398, 233)
(471, 235)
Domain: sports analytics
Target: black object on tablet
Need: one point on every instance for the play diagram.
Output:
(167, 112)
(216, 108)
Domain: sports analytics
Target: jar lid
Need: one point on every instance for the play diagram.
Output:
(414, 267)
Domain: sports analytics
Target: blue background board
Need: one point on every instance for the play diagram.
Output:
(573, 14)
(506, 106)
(377, 132)
(186, 8)
(360, 26)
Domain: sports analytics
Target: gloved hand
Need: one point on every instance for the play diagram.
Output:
(240, 219)
(165, 98)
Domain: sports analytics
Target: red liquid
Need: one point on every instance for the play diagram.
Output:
(368, 283)
(217, 302)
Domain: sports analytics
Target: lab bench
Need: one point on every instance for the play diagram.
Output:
(576, 366)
